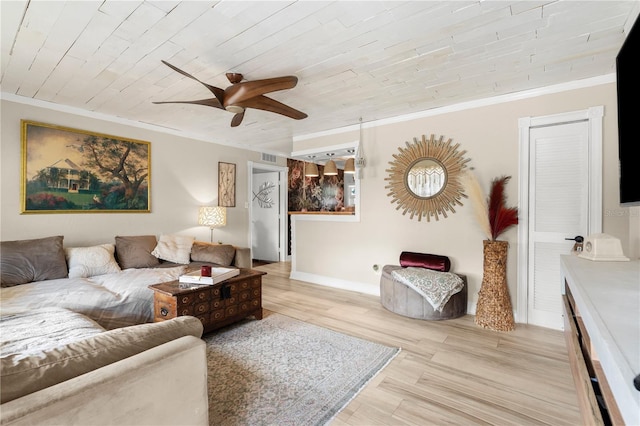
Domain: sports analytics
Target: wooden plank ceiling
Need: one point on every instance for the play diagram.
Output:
(371, 59)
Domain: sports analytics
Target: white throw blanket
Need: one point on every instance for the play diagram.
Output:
(437, 287)
(112, 300)
(32, 332)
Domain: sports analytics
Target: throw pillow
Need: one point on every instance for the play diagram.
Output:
(220, 254)
(25, 261)
(434, 262)
(135, 251)
(87, 262)
(174, 248)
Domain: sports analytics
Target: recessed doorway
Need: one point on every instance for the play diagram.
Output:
(267, 212)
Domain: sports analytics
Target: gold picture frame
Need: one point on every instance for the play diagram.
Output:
(226, 184)
(66, 170)
(412, 160)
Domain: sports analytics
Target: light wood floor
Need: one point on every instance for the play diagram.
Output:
(448, 372)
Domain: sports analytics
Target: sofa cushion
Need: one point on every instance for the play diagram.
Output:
(87, 262)
(434, 262)
(21, 376)
(24, 261)
(30, 332)
(174, 248)
(221, 254)
(135, 251)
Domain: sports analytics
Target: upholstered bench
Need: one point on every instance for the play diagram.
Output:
(401, 299)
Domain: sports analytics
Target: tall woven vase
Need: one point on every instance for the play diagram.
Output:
(493, 310)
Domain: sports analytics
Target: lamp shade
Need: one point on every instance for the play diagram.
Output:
(350, 166)
(212, 216)
(330, 168)
(311, 170)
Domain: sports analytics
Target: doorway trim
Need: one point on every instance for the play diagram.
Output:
(283, 173)
(594, 116)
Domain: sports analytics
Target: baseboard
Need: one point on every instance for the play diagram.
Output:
(336, 283)
(352, 286)
(471, 308)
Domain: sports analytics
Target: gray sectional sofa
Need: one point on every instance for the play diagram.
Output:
(77, 341)
(148, 374)
(106, 282)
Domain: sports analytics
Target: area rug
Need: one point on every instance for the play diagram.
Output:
(282, 371)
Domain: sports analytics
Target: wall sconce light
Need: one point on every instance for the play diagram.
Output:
(330, 168)
(212, 217)
(311, 168)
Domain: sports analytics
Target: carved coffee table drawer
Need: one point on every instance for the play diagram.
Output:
(217, 315)
(185, 310)
(202, 296)
(201, 308)
(217, 305)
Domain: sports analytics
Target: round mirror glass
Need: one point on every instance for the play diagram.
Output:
(426, 177)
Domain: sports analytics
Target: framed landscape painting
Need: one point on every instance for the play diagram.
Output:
(68, 170)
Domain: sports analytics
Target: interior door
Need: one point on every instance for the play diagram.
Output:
(558, 209)
(265, 216)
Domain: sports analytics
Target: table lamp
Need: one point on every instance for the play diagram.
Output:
(212, 217)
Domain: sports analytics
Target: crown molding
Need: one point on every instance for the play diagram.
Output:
(119, 120)
(527, 94)
(510, 97)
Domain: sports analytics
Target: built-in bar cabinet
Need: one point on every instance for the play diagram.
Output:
(602, 330)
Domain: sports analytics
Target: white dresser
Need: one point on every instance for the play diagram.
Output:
(602, 328)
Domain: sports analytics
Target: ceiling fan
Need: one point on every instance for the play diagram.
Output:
(244, 94)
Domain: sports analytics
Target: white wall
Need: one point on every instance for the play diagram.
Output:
(346, 252)
(184, 175)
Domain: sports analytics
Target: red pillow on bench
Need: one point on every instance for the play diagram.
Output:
(424, 260)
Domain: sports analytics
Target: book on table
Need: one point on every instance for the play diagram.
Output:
(217, 275)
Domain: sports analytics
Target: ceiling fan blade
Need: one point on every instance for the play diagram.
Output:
(237, 119)
(267, 104)
(240, 92)
(217, 92)
(212, 102)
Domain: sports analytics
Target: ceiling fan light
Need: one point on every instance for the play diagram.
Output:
(350, 166)
(234, 109)
(311, 170)
(330, 168)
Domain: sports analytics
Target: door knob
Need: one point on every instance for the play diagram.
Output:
(577, 247)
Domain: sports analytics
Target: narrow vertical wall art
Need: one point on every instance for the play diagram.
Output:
(226, 184)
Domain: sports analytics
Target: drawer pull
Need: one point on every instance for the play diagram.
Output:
(164, 312)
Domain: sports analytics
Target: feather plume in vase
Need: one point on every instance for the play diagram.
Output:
(501, 217)
(492, 214)
(478, 201)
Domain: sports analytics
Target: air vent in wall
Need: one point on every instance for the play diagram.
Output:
(269, 158)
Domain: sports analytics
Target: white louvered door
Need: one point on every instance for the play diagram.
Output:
(558, 209)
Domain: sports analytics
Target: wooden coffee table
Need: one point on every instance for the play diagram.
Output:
(214, 305)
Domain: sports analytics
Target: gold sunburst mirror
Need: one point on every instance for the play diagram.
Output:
(424, 178)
